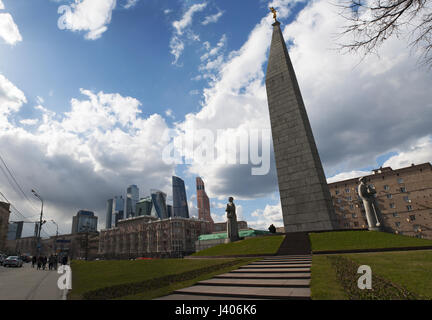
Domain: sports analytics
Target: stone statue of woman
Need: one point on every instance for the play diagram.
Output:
(370, 204)
(232, 227)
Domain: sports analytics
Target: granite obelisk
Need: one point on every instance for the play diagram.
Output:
(305, 197)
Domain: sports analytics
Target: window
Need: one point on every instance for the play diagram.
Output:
(397, 224)
(403, 189)
(392, 205)
(346, 224)
(347, 190)
(386, 187)
(341, 208)
(351, 206)
(338, 200)
(336, 192)
(395, 214)
(409, 207)
(400, 180)
(417, 228)
(389, 196)
(354, 215)
(412, 217)
(356, 224)
(406, 199)
(349, 198)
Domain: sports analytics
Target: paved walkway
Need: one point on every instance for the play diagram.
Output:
(27, 283)
(275, 277)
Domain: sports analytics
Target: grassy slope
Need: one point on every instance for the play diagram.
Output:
(348, 240)
(411, 269)
(98, 274)
(324, 284)
(256, 245)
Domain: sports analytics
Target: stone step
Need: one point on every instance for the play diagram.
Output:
(247, 282)
(279, 262)
(248, 292)
(273, 266)
(203, 297)
(269, 270)
(260, 275)
(290, 257)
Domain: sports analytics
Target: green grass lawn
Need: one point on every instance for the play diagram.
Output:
(93, 275)
(410, 269)
(324, 284)
(349, 240)
(252, 246)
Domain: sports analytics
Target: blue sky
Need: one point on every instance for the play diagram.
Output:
(62, 87)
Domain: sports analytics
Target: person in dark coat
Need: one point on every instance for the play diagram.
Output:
(34, 260)
(39, 262)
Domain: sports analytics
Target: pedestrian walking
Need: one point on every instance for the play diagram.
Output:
(65, 260)
(33, 261)
(44, 262)
(39, 262)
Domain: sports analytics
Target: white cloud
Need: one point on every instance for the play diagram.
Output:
(177, 42)
(11, 98)
(8, 29)
(130, 4)
(419, 153)
(29, 122)
(348, 175)
(167, 11)
(169, 113)
(187, 18)
(93, 151)
(91, 16)
(271, 214)
(212, 19)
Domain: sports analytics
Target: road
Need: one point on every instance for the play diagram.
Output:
(27, 283)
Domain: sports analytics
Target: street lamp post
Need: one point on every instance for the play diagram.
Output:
(40, 222)
(55, 242)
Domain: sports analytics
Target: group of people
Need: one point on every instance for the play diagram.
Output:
(52, 261)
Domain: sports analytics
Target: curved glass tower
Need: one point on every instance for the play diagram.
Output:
(159, 203)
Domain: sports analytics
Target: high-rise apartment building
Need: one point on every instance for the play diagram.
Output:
(180, 204)
(15, 230)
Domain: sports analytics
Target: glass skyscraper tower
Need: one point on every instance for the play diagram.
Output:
(159, 203)
(180, 205)
(132, 197)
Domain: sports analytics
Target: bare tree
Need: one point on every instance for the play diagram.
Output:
(372, 22)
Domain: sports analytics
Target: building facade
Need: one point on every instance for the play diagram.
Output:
(84, 221)
(148, 236)
(203, 204)
(404, 197)
(180, 204)
(4, 223)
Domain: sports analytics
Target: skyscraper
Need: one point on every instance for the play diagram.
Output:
(203, 202)
(109, 213)
(180, 205)
(118, 211)
(144, 207)
(84, 221)
(305, 197)
(132, 197)
(159, 203)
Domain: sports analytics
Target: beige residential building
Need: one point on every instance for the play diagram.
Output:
(4, 224)
(404, 197)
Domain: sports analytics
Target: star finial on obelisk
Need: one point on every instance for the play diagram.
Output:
(273, 10)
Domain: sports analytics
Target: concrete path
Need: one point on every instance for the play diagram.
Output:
(27, 283)
(275, 277)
